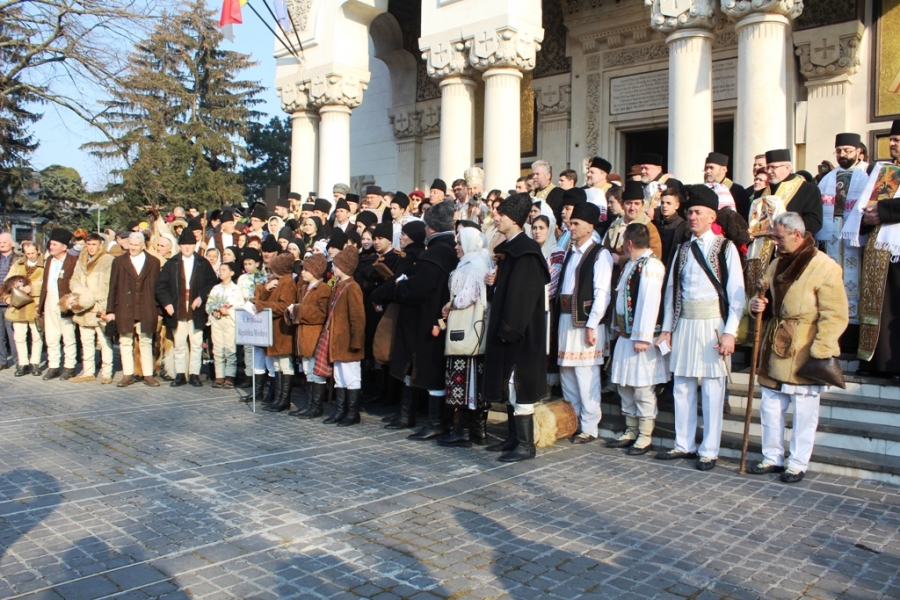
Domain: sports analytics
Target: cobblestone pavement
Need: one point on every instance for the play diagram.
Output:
(162, 493)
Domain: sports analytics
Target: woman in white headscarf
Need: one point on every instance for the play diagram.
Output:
(464, 373)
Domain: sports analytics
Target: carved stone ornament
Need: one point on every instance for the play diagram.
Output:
(447, 59)
(738, 9)
(671, 15)
(503, 48)
(294, 95)
(553, 99)
(299, 13)
(336, 89)
(416, 120)
(828, 51)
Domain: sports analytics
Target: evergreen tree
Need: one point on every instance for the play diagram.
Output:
(269, 163)
(180, 117)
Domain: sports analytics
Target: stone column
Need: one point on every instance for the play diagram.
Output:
(304, 135)
(761, 122)
(447, 62)
(411, 123)
(335, 95)
(502, 56)
(553, 97)
(828, 61)
(690, 82)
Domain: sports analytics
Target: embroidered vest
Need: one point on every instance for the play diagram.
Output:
(631, 289)
(583, 294)
(717, 262)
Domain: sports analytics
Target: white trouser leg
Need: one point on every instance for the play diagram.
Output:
(145, 343)
(568, 381)
(586, 381)
(20, 335)
(106, 353)
(309, 365)
(187, 339)
(270, 365)
(283, 364)
(348, 375)
(259, 360)
(685, 394)
(803, 437)
(626, 394)
(248, 360)
(126, 352)
(88, 350)
(771, 417)
(224, 350)
(645, 402)
(519, 410)
(713, 392)
(60, 336)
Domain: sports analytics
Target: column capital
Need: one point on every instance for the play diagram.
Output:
(293, 92)
(668, 16)
(336, 89)
(738, 9)
(504, 47)
(447, 59)
(828, 52)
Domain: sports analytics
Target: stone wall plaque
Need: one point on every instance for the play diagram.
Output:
(650, 91)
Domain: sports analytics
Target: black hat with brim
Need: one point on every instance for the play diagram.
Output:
(634, 190)
(702, 195)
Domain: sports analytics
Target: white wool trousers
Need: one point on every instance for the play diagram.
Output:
(126, 349)
(581, 386)
(91, 339)
(519, 410)
(309, 365)
(283, 364)
(638, 402)
(20, 334)
(224, 348)
(772, 409)
(188, 339)
(712, 390)
(59, 335)
(348, 375)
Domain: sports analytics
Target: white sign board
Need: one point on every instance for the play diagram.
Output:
(650, 91)
(253, 329)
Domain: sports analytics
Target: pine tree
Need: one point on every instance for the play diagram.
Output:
(181, 116)
(269, 164)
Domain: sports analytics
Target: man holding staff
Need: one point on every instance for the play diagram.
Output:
(809, 314)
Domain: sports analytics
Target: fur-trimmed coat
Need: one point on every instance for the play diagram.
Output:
(90, 283)
(809, 314)
(27, 313)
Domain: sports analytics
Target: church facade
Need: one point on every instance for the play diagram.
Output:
(398, 92)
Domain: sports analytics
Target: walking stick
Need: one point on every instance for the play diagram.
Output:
(754, 358)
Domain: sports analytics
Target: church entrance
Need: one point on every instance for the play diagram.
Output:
(657, 140)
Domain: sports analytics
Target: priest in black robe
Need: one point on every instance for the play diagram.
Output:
(798, 195)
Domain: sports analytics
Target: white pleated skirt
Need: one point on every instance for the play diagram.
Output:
(637, 369)
(693, 349)
(573, 352)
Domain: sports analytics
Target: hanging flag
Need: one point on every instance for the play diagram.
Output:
(231, 15)
(283, 18)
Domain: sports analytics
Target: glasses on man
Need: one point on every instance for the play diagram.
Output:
(845, 151)
(777, 166)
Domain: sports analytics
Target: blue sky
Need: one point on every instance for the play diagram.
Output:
(61, 133)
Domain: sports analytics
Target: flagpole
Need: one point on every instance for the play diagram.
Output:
(288, 47)
(281, 27)
(294, 25)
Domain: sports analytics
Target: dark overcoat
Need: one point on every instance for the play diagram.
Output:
(131, 296)
(416, 351)
(807, 202)
(517, 328)
(369, 279)
(169, 289)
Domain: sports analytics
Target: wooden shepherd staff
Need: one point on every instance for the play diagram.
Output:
(754, 359)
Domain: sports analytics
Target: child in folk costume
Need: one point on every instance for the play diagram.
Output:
(278, 294)
(637, 364)
(309, 313)
(223, 299)
(343, 340)
(254, 358)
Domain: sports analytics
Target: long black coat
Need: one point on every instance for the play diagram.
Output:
(415, 351)
(369, 280)
(169, 290)
(807, 202)
(517, 328)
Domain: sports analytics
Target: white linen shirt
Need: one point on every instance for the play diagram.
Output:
(695, 285)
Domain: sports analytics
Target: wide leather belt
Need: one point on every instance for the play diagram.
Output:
(565, 303)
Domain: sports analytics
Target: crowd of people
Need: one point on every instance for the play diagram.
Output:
(636, 284)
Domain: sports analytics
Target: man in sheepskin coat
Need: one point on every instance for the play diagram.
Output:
(90, 290)
(809, 314)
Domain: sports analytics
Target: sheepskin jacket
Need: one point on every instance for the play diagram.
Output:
(809, 314)
(90, 283)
